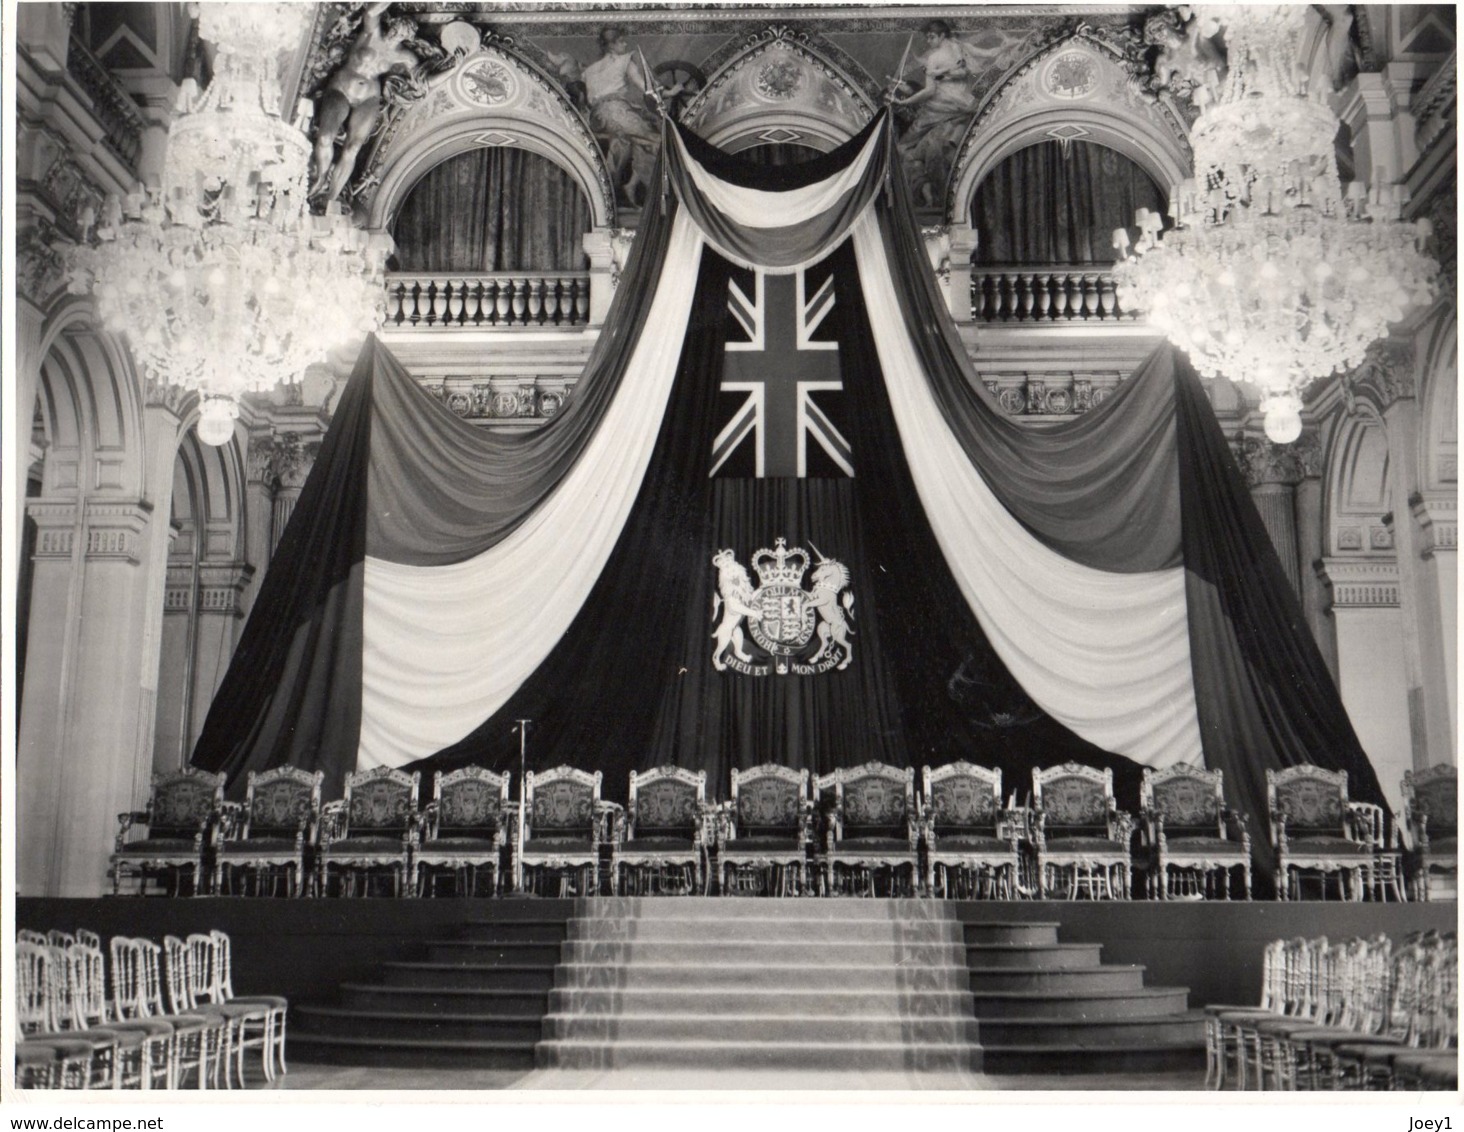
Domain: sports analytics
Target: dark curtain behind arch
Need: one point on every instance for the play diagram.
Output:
(1044, 204)
(779, 153)
(493, 209)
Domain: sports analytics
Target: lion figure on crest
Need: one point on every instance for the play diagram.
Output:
(732, 602)
(829, 578)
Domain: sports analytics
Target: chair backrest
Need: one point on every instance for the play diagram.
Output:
(1074, 797)
(1189, 798)
(561, 800)
(665, 801)
(88, 939)
(468, 803)
(151, 999)
(223, 972)
(29, 935)
(769, 800)
(873, 800)
(1434, 794)
(91, 992)
(67, 979)
(962, 796)
(33, 988)
(182, 802)
(380, 802)
(129, 989)
(202, 968)
(1313, 801)
(176, 975)
(281, 802)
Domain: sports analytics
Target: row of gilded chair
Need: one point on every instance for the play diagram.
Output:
(956, 839)
(1359, 1014)
(83, 1026)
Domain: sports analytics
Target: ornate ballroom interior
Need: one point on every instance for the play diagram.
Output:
(474, 195)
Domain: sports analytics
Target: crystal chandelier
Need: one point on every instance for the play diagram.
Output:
(219, 276)
(1272, 274)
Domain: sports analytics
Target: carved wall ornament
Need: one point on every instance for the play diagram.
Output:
(1070, 75)
(1385, 376)
(75, 195)
(39, 264)
(486, 82)
(1265, 463)
(1349, 538)
(779, 80)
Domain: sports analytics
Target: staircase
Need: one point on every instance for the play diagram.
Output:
(762, 984)
(1050, 1007)
(754, 983)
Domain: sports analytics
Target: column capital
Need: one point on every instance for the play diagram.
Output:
(1264, 463)
(114, 530)
(1437, 515)
(1360, 585)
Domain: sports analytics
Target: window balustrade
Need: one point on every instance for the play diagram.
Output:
(495, 299)
(1045, 294)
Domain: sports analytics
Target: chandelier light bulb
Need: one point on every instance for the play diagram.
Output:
(216, 417)
(1283, 418)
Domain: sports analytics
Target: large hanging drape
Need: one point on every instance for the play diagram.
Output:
(1099, 590)
(1059, 203)
(493, 209)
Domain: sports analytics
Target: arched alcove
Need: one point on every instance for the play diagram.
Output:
(1356, 479)
(498, 208)
(1056, 202)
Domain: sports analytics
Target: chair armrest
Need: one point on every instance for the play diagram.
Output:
(1239, 824)
(125, 822)
(1421, 837)
(805, 823)
(1365, 823)
(424, 827)
(1039, 827)
(332, 820)
(1121, 826)
(602, 825)
(228, 821)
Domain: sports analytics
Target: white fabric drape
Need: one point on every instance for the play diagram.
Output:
(1105, 654)
(445, 646)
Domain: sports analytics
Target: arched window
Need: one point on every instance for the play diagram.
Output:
(493, 209)
(1056, 203)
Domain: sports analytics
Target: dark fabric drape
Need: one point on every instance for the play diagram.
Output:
(1050, 203)
(443, 490)
(292, 693)
(493, 209)
(1101, 489)
(1264, 695)
(924, 684)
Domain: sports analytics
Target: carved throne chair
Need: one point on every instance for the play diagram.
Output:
(464, 831)
(563, 830)
(661, 847)
(1314, 828)
(1431, 805)
(270, 833)
(872, 830)
(1080, 835)
(182, 809)
(972, 844)
(368, 833)
(1192, 842)
(762, 843)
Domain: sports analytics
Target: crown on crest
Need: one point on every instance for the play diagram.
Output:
(780, 566)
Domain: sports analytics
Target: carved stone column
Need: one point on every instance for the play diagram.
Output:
(1437, 517)
(1370, 669)
(958, 287)
(259, 483)
(293, 460)
(218, 616)
(605, 266)
(1311, 545)
(84, 749)
(1272, 472)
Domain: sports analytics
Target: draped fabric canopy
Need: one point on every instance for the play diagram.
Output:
(1099, 589)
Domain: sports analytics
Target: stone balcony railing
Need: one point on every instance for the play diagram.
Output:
(1044, 294)
(496, 299)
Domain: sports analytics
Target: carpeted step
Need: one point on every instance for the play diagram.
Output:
(1092, 1033)
(1144, 1002)
(448, 1000)
(1034, 956)
(1141, 1057)
(352, 1049)
(726, 1002)
(485, 976)
(762, 976)
(483, 951)
(1077, 979)
(1036, 932)
(759, 1055)
(436, 1025)
(722, 949)
(815, 1029)
(767, 930)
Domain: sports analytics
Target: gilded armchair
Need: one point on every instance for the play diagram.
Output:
(1431, 803)
(762, 841)
(564, 826)
(659, 847)
(463, 830)
(181, 814)
(972, 843)
(1080, 835)
(1315, 828)
(1190, 837)
(369, 831)
(271, 832)
(872, 829)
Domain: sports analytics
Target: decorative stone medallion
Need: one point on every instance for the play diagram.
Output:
(1071, 75)
(779, 80)
(487, 83)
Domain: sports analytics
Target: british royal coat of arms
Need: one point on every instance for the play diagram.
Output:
(803, 631)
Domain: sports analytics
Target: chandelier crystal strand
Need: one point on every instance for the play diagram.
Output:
(220, 278)
(1272, 274)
